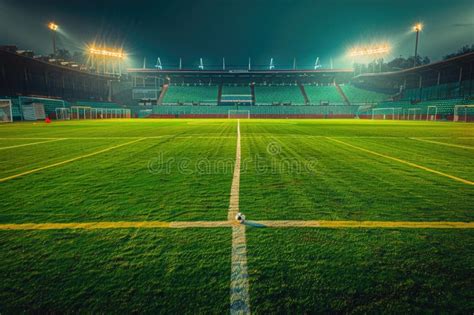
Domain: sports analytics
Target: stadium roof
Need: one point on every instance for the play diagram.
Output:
(237, 71)
(436, 66)
(23, 60)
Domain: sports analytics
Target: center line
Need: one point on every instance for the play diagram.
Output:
(239, 282)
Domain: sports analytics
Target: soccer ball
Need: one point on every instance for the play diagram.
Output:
(240, 217)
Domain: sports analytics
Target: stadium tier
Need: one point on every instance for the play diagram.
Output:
(98, 104)
(358, 95)
(320, 94)
(236, 90)
(287, 94)
(178, 94)
(261, 111)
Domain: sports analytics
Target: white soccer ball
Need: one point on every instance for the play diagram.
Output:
(240, 217)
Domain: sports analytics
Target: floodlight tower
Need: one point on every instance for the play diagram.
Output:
(417, 29)
(317, 64)
(158, 64)
(54, 28)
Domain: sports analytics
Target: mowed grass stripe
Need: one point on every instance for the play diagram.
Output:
(446, 144)
(32, 143)
(462, 180)
(69, 160)
(237, 226)
(364, 224)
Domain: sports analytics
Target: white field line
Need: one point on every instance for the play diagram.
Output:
(239, 282)
(200, 135)
(462, 180)
(28, 144)
(69, 160)
(446, 144)
(239, 241)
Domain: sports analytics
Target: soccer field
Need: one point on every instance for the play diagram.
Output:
(136, 216)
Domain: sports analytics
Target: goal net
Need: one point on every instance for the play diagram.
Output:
(239, 114)
(386, 113)
(83, 112)
(463, 113)
(6, 114)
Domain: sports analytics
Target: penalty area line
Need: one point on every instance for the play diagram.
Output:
(32, 143)
(446, 144)
(462, 180)
(69, 160)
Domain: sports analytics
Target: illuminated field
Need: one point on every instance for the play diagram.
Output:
(155, 194)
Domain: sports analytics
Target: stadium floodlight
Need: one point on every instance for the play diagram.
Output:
(417, 29)
(369, 50)
(54, 28)
(107, 52)
(105, 59)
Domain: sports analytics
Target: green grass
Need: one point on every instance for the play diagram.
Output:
(302, 271)
(316, 178)
(183, 172)
(165, 178)
(115, 271)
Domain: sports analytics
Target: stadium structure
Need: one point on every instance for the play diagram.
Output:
(437, 91)
(235, 188)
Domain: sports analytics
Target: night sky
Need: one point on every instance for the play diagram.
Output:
(238, 29)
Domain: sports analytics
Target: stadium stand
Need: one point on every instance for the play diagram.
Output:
(236, 94)
(357, 95)
(286, 94)
(236, 90)
(442, 91)
(319, 94)
(98, 104)
(184, 94)
(262, 111)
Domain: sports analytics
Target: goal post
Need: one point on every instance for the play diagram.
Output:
(238, 114)
(414, 111)
(63, 113)
(386, 113)
(432, 112)
(463, 113)
(6, 112)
